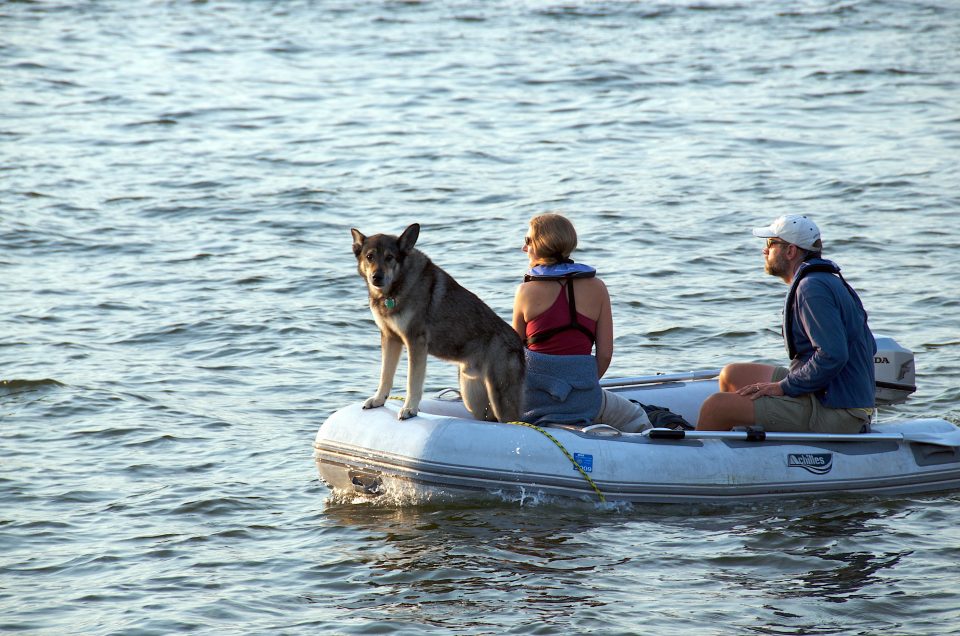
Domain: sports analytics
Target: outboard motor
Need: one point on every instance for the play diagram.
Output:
(895, 373)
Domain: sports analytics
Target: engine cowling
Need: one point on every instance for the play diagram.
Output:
(895, 372)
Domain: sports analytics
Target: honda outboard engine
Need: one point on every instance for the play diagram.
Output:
(894, 370)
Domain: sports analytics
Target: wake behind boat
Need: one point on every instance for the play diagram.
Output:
(444, 453)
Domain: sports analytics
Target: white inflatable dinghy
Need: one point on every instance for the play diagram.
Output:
(445, 454)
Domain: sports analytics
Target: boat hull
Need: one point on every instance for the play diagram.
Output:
(445, 455)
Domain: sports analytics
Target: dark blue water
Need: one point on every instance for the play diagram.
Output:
(181, 307)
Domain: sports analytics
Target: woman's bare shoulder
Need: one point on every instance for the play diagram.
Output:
(593, 283)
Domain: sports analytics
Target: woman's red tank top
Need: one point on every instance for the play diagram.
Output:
(567, 342)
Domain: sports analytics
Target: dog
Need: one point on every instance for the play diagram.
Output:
(419, 306)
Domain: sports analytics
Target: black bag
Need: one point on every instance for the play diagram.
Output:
(662, 417)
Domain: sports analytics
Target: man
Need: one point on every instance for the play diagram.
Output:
(829, 387)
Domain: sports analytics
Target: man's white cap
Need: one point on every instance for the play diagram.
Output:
(793, 228)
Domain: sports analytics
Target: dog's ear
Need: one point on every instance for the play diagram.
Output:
(409, 237)
(358, 240)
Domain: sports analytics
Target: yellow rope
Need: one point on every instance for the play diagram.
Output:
(568, 456)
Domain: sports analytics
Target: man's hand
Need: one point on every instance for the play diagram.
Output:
(761, 389)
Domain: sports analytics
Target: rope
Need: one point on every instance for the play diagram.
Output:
(567, 455)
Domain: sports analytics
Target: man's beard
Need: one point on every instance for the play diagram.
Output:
(778, 265)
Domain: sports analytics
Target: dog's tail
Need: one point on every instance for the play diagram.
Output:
(506, 390)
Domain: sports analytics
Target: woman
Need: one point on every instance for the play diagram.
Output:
(562, 310)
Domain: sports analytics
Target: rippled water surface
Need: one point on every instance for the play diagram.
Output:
(181, 308)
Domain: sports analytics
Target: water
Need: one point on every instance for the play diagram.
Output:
(182, 309)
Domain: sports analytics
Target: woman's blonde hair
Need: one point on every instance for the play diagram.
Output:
(552, 237)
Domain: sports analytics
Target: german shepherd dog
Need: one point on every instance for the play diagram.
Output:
(418, 305)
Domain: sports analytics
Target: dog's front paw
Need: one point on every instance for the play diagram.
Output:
(374, 402)
(406, 413)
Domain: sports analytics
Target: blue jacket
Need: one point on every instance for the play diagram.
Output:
(833, 344)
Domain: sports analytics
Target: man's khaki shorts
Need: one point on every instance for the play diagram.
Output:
(805, 414)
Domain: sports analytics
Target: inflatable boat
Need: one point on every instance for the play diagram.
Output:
(444, 454)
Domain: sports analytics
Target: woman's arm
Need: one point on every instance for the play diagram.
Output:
(604, 333)
(519, 319)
